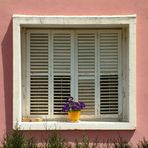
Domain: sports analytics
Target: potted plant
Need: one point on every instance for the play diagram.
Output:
(73, 108)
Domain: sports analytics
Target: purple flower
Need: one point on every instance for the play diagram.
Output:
(82, 105)
(69, 99)
(71, 105)
(77, 104)
(74, 108)
(66, 107)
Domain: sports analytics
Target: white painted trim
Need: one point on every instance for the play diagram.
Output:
(81, 125)
(51, 78)
(73, 21)
(98, 76)
(75, 64)
(50, 110)
(132, 73)
(120, 98)
(82, 16)
(28, 73)
(24, 74)
(17, 82)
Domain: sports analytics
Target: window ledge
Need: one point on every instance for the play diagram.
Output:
(81, 125)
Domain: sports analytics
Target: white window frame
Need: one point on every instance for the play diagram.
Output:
(74, 22)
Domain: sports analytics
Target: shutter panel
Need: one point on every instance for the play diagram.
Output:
(85, 47)
(38, 73)
(109, 75)
(61, 69)
(86, 71)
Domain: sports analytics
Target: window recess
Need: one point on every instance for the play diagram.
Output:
(85, 64)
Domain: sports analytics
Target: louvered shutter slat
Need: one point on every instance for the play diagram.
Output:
(86, 71)
(62, 70)
(109, 75)
(38, 73)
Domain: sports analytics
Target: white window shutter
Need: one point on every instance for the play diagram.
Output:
(61, 63)
(61, 70)
(109, 72)
(86, 70)
(38, 72)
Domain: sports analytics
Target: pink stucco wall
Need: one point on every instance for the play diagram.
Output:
(75, 7)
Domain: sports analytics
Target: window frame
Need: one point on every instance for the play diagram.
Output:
(73, 74)
(20, 21)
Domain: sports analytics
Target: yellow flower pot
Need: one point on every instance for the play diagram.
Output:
(74, 116)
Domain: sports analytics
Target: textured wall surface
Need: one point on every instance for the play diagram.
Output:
(75, 7)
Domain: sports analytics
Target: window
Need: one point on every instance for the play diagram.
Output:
(91, 62)
(85, 64)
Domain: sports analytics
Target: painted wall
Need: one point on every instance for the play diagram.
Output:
(75, 7)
